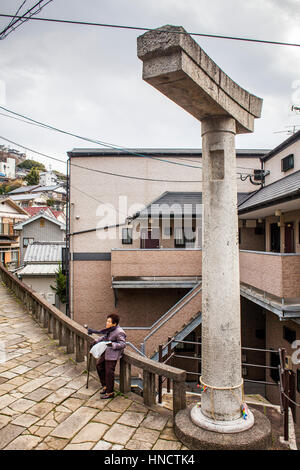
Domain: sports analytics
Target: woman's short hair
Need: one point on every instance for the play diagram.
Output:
(114, 318)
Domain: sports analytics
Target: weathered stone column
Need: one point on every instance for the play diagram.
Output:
(221, 347)
(177, 66)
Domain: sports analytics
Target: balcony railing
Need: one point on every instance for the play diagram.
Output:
(275, 273)
(159, 262)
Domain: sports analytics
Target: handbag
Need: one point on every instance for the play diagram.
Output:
(98, 349)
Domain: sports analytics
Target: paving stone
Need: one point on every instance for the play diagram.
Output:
(9, 433)
(119, 434)
(18, 381)
(60, 417)
(60, 370)
(7, 375)
(20, 370)
(34, 384)
(138, 445)
(4, 420)
(102, 445)
(6, 400)
(119, 404)
(96, 402)
(41, 409)
(59, 396)
(3, 380)
(74, 423)
(107, 417)
(161, 444)
(26, 420)
(57, 383)
(155, 421)
(39, 394)
(138, 407)
(7, 387)
(21, 405)
(146, 435)
(24, 443)
(83, 446)
(9, 412)
(87, 392)
(78, 383)
(43, 431)
(92, 432)
(131, 418)
(168, 434)
(73, 403)
(117, 447)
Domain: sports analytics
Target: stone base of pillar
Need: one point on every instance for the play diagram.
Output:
(258, 437)
(237, 425)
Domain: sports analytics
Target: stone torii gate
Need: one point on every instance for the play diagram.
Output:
(176, 65)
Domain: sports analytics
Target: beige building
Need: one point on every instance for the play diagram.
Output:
(135, 224)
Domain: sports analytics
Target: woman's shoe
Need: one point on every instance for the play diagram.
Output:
(107, 396)
(103, 391)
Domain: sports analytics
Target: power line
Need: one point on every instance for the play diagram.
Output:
(15, 14)
(34, 10)
(99, 142)
(138, 28)
(99, 171)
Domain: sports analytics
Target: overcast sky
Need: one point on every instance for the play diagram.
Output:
(88, 80)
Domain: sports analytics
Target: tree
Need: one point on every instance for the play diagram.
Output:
(51, 202)
(29, 164)
(33, 177)
(61, 283)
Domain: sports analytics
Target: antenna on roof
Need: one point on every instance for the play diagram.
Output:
(288, 131)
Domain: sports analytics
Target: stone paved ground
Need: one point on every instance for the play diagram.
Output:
(44, 403)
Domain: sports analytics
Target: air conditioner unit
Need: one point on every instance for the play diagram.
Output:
(50, 297)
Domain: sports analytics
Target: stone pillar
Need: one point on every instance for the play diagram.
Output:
(221, 336)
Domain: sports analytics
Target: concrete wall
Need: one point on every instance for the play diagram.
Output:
(94, 298)
(41, 284)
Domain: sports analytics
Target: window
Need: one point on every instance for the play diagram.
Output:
(287, 163)
(27, 241)
(127, 236)
(288, 334)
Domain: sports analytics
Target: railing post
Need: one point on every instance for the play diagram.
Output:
(168, 355)
(148, 388)
(125, 376)
(70, 341)
(160, 349)
(79, 349)
(62, 334)
(45, 318)
(179, 397)
(55, 331)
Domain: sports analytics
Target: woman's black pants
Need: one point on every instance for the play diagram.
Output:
(106, 372)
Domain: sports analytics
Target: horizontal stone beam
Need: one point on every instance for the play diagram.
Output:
(177, 66)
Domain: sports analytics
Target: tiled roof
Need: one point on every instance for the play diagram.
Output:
(159, 151)
(38, 270)
(178, 203)
(24, 189)
(44, 252)
(273, 193)
(35, 209)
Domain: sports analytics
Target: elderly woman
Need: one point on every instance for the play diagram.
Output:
(106, 364)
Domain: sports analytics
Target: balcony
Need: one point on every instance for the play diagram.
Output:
(156, 263)
(276, 274)
(7, 229)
